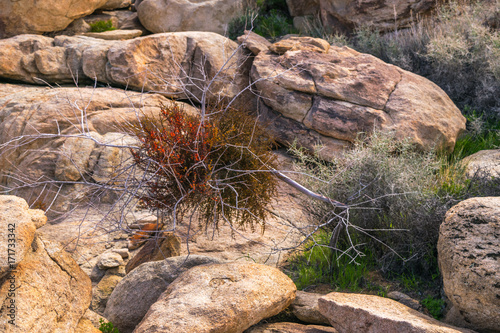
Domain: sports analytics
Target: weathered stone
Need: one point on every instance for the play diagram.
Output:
(305, 307)
(158, 248)
(37, 17)
(406, 300)
(302, 8)
(484, 163)
(370, 314)
(52, 292)
(74, 157)
(384, 15)
(115, 34)
(290, 328)
(336, 92)
(116, 4)
(220, 298)
(123, 252)
(167, 63)
(255, 43)
(18, 231)
(101, 292)
(180, 15)
(142, 287)
(109, 260)
(469, 260)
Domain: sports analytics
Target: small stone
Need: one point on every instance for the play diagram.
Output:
(123, 252)
(110, 260)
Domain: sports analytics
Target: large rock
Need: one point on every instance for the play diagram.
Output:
(484, 163)
(305, 307)
(469, 260)
(51, 292)
(220, 298)
(39, 16)
(19, 224)
(290, 328)
(184, 15)
(158, 248)
(373, 314)
(142, 287)
(314, 92)
(383, 15)
(177, 65)
(79, 153)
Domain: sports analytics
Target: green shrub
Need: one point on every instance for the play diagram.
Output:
(107, 327)
(101, 26)
(434, 306)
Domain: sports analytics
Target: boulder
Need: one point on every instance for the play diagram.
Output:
(142, 287)
(115, 34)
(110, 260)
(78, 154)
(383, 15)
(316, 93)
(40, 16)
(158, 248)
(18, 224)
(370, 314)
(116, 4)
(183, 15)
(102, 292)
(469, 260)
(290, 328)
(215, 298)
(305, 307)
(51, 292)
(484, 163)
(173, 64)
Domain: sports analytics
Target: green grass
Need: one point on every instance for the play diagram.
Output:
(102, 26)
(318, 265)
(435, 306)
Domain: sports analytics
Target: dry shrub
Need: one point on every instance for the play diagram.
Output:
(217, 166)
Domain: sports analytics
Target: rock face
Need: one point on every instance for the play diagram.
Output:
(384, 15)
(172, 63)
(184, 15)
(220, 298)
(19, 224)
(290, 328)
(314, 92)
(30, 111)
(367, 313)
(50, 292)
(305, 307)
(37, 17)
(469, 260)
(143, 286)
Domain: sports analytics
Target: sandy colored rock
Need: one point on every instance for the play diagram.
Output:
(182, 15)
(39, 16)
(52, 292)
(158, 248)
(469, 260)
(101, 292)
(143, 286)
(336, 92)
(483, 163)
(115, 34)
(220, 298)
(305, 307)
(406, 300)
(290, 328)
(86, 326)
(368, 313)
(156, 63)
(384, 15)
(18, 231)
(255, 43)
(116, 4)
(110, 260)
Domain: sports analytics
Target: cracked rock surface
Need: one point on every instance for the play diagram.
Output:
(312, 92)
